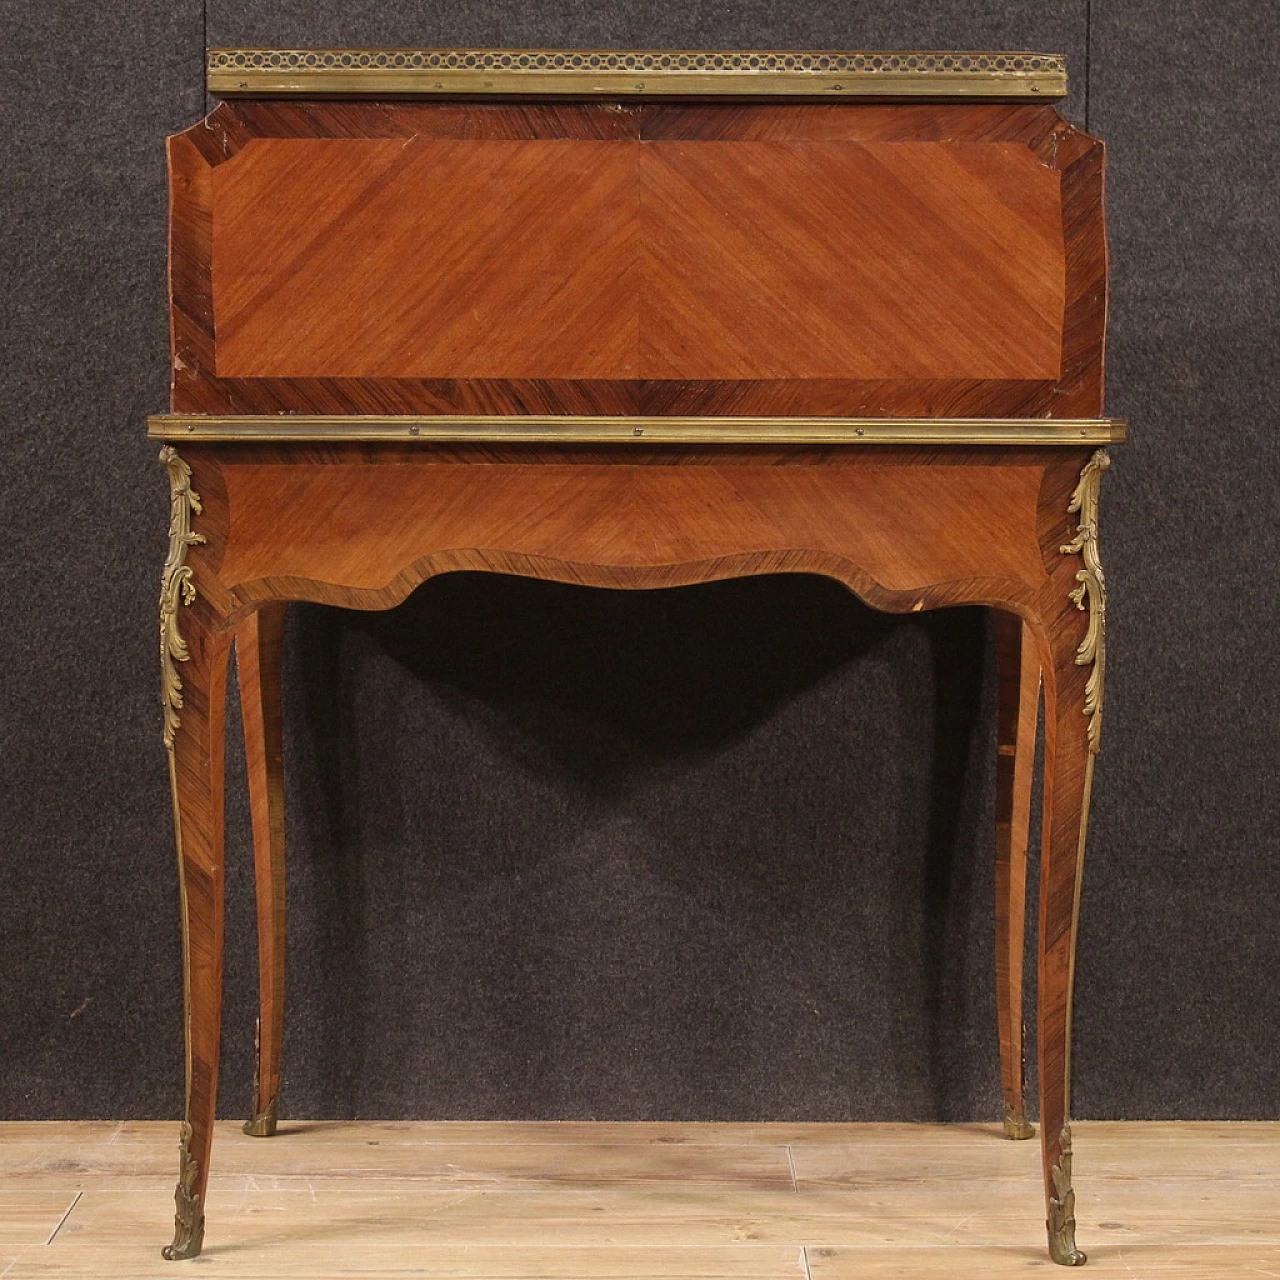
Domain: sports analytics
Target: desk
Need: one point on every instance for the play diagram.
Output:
(634, 320)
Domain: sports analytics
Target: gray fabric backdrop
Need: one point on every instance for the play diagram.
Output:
(721, 852)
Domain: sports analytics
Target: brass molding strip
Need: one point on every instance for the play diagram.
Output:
(583, 430)
(632, 73)
(188, 1220)
(1091, 594)
(1061, 1222)
(176, 587)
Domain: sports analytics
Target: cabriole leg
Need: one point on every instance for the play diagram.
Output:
(193, 690)
(259, 654)
(1073, 729)
(196, 774)
(1018, 677)
(1068, 779)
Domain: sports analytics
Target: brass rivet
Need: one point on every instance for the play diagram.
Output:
(413, 431)
(639, 431)
(859, 431)
(191, 426)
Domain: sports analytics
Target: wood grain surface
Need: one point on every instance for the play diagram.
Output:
(259, 649)
(934, 259)
(1161, 1201)
(679, 261)
(1018, 678)
(295, 524)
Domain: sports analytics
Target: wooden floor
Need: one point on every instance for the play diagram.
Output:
(818, 1202)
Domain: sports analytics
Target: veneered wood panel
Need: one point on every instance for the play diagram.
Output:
(803, 259)
(313, 521)
(421, 258)
(560, 259)
(719, 345)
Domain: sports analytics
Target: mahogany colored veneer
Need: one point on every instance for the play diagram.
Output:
(930, 260)
(635, 322)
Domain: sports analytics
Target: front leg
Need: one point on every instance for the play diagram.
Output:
(194, 653)
(196, 776)
(1075, 665)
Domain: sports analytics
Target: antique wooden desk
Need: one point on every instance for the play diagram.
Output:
(634, 320)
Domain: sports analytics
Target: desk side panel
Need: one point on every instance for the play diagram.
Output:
(489, 258)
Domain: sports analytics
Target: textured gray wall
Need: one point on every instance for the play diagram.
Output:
(708, 853)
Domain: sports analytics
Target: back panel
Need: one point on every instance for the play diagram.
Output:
(492, 258)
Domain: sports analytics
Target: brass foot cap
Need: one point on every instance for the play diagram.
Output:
(1062, 1248)
(185, 1245)
(263, 1124)
(1017, 1126)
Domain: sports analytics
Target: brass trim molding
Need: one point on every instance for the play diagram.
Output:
(1092, 590)
(188, 1220)
(584, 430)
(631, 73)
(176, 586)
(1061, 1222)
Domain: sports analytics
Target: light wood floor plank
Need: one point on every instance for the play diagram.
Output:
(85, 1131)
(1145, 1133)
(1141, 1262)
(379, 1218)
(30, 1217)
(630, 1202)
(319, 1150)
(481, 1263)
(1132, 1263)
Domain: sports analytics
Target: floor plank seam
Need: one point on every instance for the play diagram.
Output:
(791, 1164)
(63, 1219)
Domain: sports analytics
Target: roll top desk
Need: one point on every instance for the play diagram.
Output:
(634, 320)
